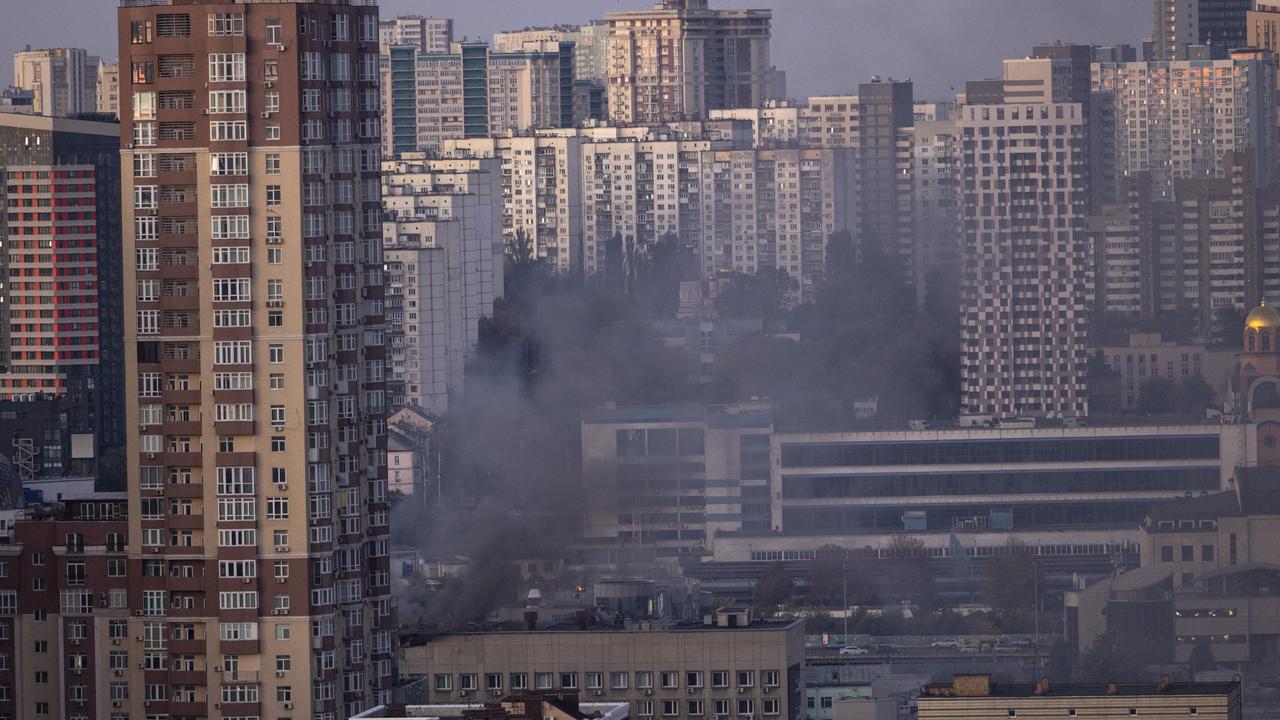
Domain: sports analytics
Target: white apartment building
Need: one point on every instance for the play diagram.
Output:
(1026, 258)
(64, 80)
(428, 34)
(1177, 119)
(443, 253)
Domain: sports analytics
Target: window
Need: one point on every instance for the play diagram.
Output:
(618, 680)
(273, 163)
(769, 678)
(233, 163)
(694, 708)
(228, 130)
(746, 706)
(670, 680)
(226, 23)
(226, 67)
(543, 681)
(644, 708)
(745, 678)
(275, 354)
(595, 680)
(273, 194)
(1206, 553)
(493, 681)
(1166, 553)
(467, 681)
(693, 679)
(720, 678)
(771, 706)
(444, 683)
(274, 36)
(569, 681)
(225, 102)
(1188, 553)
(670, 708)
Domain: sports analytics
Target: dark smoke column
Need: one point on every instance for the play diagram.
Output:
(1026, 260)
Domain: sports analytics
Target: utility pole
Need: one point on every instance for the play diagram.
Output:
(845, 573)
(1035, 589)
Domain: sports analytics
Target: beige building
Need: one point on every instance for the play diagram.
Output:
(774, 124)
(687, 670)
(256, 374)
(64, 80)
(1147, 356)
(590, 46)
(109, 87)
(681, 58)
(978, 697)
(428, 34)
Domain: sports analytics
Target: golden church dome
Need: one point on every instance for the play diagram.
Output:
(1263, 316)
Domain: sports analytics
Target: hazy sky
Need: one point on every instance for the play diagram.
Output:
(826, 46)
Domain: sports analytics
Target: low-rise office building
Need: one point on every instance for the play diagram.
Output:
(977, 697)
(518, 706)
(730, 666)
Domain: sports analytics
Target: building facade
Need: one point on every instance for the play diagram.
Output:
(63, 341)
(1026, 259)
(64, 80)
(255, 359)
(752, 669)
(978, 697)
(428, 34)
(1178, 119)
(681, 58)
(443, 251)
(471, 91)
(108, 97)
(64, 613)
(1179, 24)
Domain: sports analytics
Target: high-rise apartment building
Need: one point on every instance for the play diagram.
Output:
(428, 34)
(1026, 260)
(471, 91)
(108, 88)
(255, 359)
(739, 208)
(1182, 23)
(442, 240)
(935, 196)
(590, 45)
(64, 80)
(1213, 244)
(1178, 119)
(60, 307)
(64, 610)
(681, 58)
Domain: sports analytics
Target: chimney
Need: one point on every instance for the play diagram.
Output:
(1112, 688)
(1042, 686)
(1164, 683)
(531, 619)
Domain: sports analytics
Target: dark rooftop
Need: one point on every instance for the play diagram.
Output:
(945, 690)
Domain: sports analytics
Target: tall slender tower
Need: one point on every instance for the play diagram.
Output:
(254, 351)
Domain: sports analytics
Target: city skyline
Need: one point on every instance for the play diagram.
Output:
(950, 41)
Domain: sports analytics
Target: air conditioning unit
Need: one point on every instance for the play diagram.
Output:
(154, 550)
(281, 580)
(648, 691)
(693, 691)
(119, 673)
(151, 456)
(275, 240)
(599, 693)
(159, 491)
(115, 641)
(217, 706)
(741, 690)
(204, 111)
(128, 146)
(279, 673)
(246, 581)
(275, 303)
(266, 113)
(768, 690)
(282, 548)
(115, 703)
(282, 486)
(138, 612)
(288, 706)
(498, 693)
(462, 693)
(217, 668)
(267, 83)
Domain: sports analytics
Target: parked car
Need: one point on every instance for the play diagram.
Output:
(854, 650)
(1019, 642)
(970, 650)
(944, 644)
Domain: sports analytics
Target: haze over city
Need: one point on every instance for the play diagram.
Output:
(639, 359)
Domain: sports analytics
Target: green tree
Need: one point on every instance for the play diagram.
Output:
(1110, 658)
(905, 572)
(1201, 658)
(825, 574)
(1009, 579)
(1061, 660)
(1196, 394)
(773, 588)
(1158, 396)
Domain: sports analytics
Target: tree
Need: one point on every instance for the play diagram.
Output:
(1110, 659)
(773, 588)
(1009, 579)
(825, 574)
(1197, 394)
(906, 573)
(1201, 659)
(1061, 660)
(1157, 396)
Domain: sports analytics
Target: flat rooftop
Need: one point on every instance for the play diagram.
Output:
(409, 638)
(998, 690)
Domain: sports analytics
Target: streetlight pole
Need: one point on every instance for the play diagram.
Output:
(1035, 589)
(845, 594)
